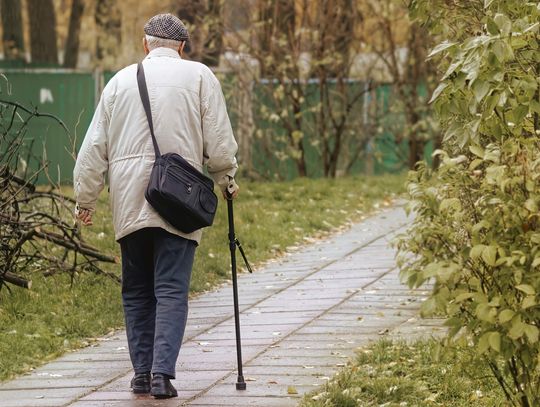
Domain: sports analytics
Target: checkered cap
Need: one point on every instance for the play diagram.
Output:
(167, 26)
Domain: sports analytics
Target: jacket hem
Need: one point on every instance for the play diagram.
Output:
(195, 236)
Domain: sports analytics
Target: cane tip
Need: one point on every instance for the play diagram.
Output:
(241, 386)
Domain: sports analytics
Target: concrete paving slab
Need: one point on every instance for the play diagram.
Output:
(245, 401)
(149, 402)
(36, 402)
(281, 373)
(51, 383)
(127, 396)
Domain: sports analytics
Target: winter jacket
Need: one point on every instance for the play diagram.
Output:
(190, 118)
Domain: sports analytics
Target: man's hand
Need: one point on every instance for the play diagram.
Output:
(85, 216)
(231, 192)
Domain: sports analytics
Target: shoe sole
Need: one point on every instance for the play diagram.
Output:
(164, 396)
(140, 390)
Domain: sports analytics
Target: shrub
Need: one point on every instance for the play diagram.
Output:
(476, 233)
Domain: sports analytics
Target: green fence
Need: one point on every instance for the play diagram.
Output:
(72, 95)
(380, 154)
(68, 95)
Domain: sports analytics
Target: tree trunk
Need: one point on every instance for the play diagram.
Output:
(73, 39)
(301, 161)
(12, 38)
(213, 44)
(42, 31)
(109, 28)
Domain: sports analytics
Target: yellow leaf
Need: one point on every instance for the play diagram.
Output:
(292, 390)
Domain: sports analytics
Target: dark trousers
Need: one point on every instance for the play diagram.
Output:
(156, 270)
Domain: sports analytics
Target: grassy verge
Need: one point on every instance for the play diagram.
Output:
(40, 324)
(397, 374)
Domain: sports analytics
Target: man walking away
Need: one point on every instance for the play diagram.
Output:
(190, 118)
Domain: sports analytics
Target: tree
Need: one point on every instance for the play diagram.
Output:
(340, 109)
(278, 53)
(320, 63)
(12, 37)
(193, 15)
(213, 44)
(204, 21)
(402, 45)
(42, 26)
(308, 50)
(109, 29)
(276, 33)
(73, 38)
(476, 233)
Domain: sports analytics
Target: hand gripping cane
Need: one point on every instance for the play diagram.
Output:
(233, 243)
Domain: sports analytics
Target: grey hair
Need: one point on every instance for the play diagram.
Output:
(157, 42)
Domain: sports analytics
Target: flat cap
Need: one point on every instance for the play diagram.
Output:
(167, 26)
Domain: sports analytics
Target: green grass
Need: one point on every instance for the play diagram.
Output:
(42, 323)
(399, 374)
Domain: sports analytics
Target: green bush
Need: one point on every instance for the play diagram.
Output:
(476, 234)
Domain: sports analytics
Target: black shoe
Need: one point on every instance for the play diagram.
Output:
(140, 383)
(162, 387)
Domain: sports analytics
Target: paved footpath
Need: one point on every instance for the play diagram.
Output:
(302, 317)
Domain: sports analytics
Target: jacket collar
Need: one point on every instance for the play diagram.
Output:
(163, 52)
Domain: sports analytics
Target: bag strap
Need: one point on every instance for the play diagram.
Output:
(143, 92)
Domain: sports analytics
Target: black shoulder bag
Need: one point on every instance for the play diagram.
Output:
(181, 194)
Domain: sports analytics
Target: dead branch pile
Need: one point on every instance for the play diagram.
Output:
(38, 232)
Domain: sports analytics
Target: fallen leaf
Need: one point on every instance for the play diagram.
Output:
(292, 390)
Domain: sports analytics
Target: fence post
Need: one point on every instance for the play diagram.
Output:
(369, 164)
(99, 84)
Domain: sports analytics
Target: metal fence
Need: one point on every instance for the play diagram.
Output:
(72, 95)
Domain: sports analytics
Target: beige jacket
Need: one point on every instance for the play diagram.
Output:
(190, 118)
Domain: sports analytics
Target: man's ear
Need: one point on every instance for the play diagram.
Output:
(181, 48)
(145, 46)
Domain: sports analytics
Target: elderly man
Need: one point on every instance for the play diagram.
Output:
(190, 118)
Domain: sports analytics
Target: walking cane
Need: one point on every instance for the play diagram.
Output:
(233, 242)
